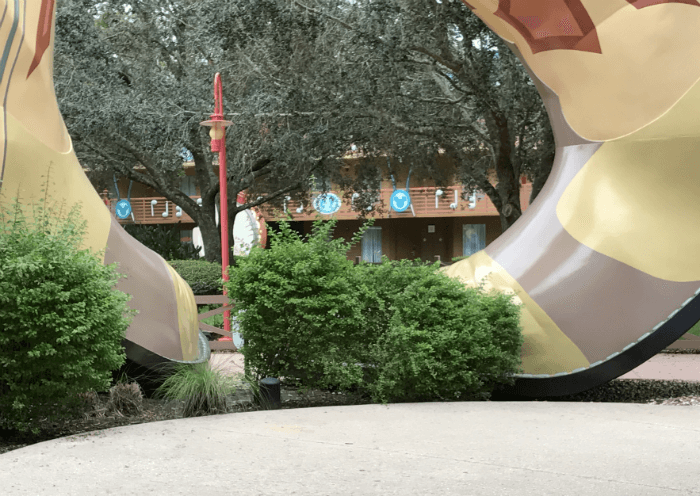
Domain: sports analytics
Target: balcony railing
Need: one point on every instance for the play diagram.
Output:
(154, 210)
(425, 203)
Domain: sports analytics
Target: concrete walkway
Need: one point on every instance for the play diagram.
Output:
(535, 448)
(489, 448)
(668, 367)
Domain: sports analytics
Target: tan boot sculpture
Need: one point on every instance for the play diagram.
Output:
(606, 261)
(33, 138)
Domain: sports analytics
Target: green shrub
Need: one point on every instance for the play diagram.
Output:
(397, 330)
(203, 277)
(379, 285)
(202, 390)
(164, 240)
(445, 342)
(61, 321)
(302, 316)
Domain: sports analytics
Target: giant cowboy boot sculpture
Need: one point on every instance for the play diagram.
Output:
(33, 138)
(605, 261)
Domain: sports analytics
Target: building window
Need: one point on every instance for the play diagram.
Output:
(473, 238)
(186, 235)
(372, 245)
(188, 185)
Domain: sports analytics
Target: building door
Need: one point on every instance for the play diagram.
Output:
(372, 245)
(473, 238)
(434, 240)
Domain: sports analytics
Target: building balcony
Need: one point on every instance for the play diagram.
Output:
(153, 210)
(424, 202)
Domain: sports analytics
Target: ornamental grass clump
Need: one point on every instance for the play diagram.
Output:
(125, 399)
(202, 390)
(61, 320)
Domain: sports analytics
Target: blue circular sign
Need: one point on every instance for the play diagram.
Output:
(327, 203)
(400, 200)
(123, 209)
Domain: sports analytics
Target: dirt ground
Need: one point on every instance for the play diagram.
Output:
(97, 415)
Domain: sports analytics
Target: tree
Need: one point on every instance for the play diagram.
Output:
(443, 84)
(134, 81)
(415, 80)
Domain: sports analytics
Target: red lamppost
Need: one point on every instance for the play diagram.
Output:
(218, 144)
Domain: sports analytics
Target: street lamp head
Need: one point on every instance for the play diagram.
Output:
(217, 122)
(217, 131)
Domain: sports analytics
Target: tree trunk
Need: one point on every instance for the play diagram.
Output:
(508, 181)
(542, 175)
(211, 236)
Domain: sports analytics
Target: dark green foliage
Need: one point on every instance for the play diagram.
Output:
(398, 330)
(380, 284)
(303, 318)
(446, 341)
(413, 80)
(61, 321)
(163, 240)
(203, 277)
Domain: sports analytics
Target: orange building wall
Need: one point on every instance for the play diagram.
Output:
(410, 239)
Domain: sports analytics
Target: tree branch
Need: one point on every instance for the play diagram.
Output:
(453, 66)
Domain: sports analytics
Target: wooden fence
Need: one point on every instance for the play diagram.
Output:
(686, 342)
(215, 300)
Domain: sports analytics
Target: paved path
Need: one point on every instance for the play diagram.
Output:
(525, 448)
(488, 448)
(668, 366)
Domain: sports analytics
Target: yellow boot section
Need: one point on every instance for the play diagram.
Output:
(546, 349)
(186, 316)
(637, 200)
(30, 163)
